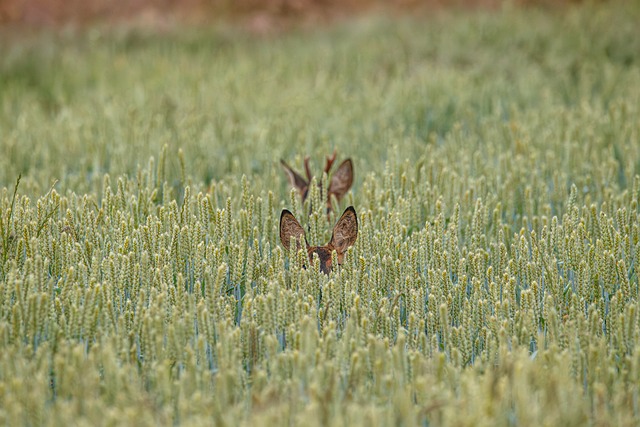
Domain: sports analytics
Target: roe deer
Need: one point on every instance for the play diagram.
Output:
(344, 235)
(339, 183)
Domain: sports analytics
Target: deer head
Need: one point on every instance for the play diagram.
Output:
(339, 184)
(344, 235)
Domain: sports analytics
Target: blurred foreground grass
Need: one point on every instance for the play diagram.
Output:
(494, 279)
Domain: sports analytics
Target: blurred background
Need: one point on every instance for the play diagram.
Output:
(256, 15)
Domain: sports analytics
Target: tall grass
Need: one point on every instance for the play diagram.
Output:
(493, 282)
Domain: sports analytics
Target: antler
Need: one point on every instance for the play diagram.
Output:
(330, 161)
(307, 169)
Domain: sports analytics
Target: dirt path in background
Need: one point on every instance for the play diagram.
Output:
(257, 15)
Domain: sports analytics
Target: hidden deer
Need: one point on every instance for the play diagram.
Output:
(339, 184)
(344, 235)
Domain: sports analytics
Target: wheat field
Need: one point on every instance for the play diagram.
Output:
(493, 281)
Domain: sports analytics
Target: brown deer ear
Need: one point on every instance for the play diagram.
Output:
(342, 179)
(345, 231)
(295, 179)
(290, 227)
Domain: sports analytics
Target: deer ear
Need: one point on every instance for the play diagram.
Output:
(295, 179)
(290, 227)
(342, 179)
(345, 231)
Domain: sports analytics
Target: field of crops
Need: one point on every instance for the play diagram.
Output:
(494, 279)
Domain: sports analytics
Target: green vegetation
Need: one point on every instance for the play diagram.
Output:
(494, 280)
